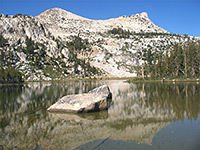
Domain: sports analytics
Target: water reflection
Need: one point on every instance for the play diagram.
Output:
(139, 112)
(180, 100)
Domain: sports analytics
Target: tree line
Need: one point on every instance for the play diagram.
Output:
(10, 75)
(182, 61)
(121, 33)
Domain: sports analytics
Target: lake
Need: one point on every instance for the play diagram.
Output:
(143, 116)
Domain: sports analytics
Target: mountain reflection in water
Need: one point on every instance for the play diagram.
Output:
(138, 113)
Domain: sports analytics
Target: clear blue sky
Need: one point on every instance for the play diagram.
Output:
(176, 16)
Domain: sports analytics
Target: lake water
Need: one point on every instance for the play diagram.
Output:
(143, 116)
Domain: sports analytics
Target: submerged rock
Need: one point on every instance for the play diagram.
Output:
(95, 100)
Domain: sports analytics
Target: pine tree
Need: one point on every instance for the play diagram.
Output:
(149, 60)
(185, 61)
(166, 64)
(159, 65)
(154, 71)
(2, 57)
(193, 64)
(3, 41)
(10, 75)
(179, 61)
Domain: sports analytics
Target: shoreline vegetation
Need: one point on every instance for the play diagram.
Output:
(10, 75)
(127, 79)
(137, 80)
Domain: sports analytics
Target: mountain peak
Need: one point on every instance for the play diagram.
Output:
(53, 10)
(69, 22)
(58, 12)
(144, 14)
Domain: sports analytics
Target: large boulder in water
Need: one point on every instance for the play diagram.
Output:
(95, 100)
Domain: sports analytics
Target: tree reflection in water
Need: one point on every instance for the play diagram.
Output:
(138, 112)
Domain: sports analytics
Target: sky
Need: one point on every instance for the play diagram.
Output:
(175, 16)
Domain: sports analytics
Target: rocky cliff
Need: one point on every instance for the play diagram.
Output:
(58, 44)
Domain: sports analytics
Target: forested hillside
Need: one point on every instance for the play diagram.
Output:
(178, 61)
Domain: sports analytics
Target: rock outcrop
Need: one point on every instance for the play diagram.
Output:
(95, 100)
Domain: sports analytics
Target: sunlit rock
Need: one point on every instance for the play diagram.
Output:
(95, 100)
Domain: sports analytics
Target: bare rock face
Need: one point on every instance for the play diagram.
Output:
(95, 100)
